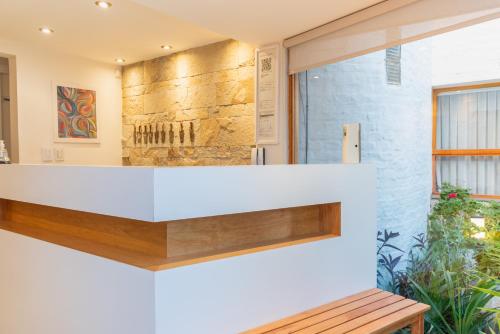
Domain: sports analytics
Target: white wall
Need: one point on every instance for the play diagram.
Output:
(467, 55)
(46, 288)
(37, 68)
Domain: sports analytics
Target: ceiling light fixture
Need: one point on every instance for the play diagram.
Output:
(46, 30)
(166, 47)
(120, 60)
(316, 77)
(103, 4)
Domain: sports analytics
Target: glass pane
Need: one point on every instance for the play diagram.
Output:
(468, 120)
(481, 175)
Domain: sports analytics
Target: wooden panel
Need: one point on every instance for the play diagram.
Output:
(246, 230)
(291, 119)
(164, 245)
(132, 235)
(478, 152)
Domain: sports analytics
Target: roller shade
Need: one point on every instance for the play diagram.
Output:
(384, 25)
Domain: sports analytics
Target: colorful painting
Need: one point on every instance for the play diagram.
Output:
(76, 114)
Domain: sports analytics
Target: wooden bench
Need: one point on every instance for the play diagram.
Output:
(369, 312)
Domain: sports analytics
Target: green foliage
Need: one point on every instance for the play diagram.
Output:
(452, 269)
(489, 255)
(455, 309)
(492, 293)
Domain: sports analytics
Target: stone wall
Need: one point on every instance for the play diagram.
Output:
(396, 123)
(204, 100)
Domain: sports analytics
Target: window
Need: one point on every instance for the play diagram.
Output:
(466, 140)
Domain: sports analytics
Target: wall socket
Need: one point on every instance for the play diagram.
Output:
(59, 154)
(46, 154)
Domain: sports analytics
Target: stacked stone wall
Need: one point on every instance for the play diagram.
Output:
(198, 103)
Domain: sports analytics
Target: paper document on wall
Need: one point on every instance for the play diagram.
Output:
(267, 95)
(267, 87)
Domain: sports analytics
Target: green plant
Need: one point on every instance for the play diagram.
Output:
(455, 309)
(495, 294)
(489, 254)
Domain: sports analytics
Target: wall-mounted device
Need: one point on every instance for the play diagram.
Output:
(351, 143)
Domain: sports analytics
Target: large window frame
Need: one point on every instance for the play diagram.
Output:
(457, 152)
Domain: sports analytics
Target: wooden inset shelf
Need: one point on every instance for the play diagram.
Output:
(163, 245)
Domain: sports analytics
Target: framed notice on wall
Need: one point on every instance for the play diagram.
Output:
(267, 94)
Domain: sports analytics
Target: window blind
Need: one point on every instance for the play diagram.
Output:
(385, 25)
(469, 120)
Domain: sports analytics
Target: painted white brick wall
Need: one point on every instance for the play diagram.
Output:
(395, 129)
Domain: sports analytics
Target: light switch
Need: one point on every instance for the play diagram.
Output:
(59, 154)
(46, 154)
(254, 156)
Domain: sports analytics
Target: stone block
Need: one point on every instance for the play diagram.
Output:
(200, 96)
(133, 105)
(235, 131)
(163, 100)
(234, 110)
(133, 75)
(246, 54)
(191, 114)
(133, 91)
(235, 92)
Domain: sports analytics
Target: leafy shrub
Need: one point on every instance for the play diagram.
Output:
(451, 270)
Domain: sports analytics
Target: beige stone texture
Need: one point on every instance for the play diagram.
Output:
(235, 92)
(134, 91)
(163, 100)
(205, 94)
(133, 105)
(200, 96)
(234, 110)
(192, 114)
(133, 75)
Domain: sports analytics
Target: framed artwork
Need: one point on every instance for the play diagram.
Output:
(76, 114)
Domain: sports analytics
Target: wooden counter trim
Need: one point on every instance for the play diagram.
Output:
(164, 245)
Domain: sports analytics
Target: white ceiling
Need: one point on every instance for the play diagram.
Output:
(127, 29)
(135, 29)
(259, 21)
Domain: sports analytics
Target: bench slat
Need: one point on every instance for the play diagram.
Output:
(393, 321)
(366, 305)
(342, 318)
(352, 325)
(369, 312)
(306, 314)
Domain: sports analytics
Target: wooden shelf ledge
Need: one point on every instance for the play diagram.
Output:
(169, 244)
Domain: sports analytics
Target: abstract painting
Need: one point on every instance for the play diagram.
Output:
(76, 114)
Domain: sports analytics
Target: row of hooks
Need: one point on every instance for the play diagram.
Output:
(148, 134)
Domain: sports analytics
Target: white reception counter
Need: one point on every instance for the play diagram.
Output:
(202, 219)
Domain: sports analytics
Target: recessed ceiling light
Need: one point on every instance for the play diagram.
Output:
(166, 47)
(120, 60)
(316, 77)
(46, 30)
(103, 4)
